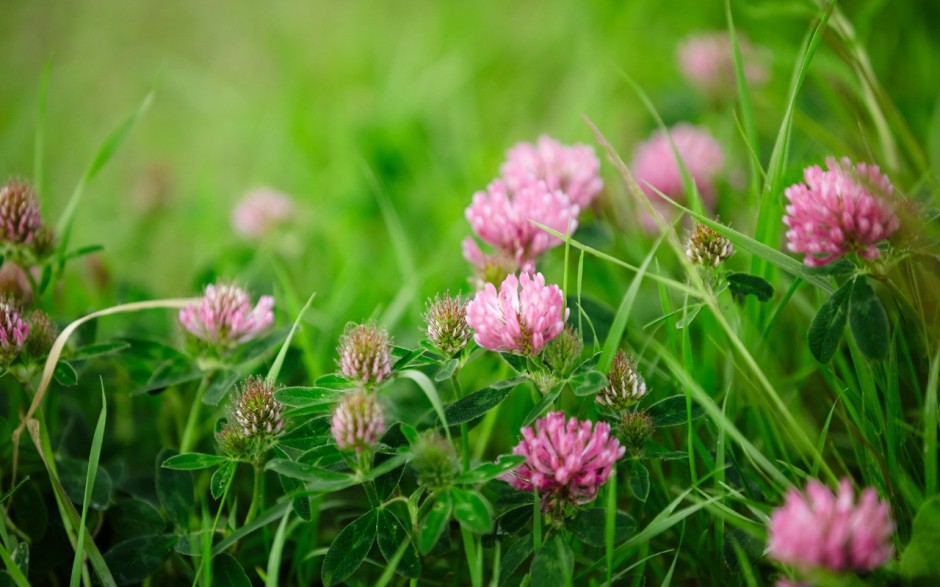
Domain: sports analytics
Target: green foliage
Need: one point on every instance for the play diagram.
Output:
(349, 549)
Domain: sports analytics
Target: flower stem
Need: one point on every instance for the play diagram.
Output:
(257, 492)
(188, 439)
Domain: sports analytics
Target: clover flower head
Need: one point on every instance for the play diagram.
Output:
(819, 529)
(574, 169)
(358, 422)
(634, 429)
(256, 411)
(42, 333)
(844, 209)
(233, 442)
(567, 460)
(625, 386)
(20, 218)
(260, 211)
(520, 318)
(707, 62)
(364, 353)
(446, 324)
(224, 317)
(655, 165)
(493, 267)
(501, 217)
(707, 248)
(13, 332)
(563, 353)
(435, 461)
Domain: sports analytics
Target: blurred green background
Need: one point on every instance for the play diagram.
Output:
(347, 105)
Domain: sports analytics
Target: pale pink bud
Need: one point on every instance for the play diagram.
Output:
(358, 422)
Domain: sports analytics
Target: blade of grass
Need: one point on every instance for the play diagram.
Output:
(275, 369)
(747, 108)
(39, 146)
(294, 307)
(89, 486)
(277, 549)
(14, 571)
(930, 427)
(430, 390)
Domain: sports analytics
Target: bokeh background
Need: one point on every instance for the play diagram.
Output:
(346, 105)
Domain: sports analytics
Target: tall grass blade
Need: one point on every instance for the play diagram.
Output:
(93, 459)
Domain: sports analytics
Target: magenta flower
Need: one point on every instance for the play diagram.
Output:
(502, 218)
(707, 62)
(358, 422)
(224, 317)
(845, 209)
(655, 166)
(260, 211)
(13, 332)
(566, 461)
(822, 530)
(364, 353)
(574, 170)
(521, 318)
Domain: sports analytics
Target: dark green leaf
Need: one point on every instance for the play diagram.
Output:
(192, 461)
(221, 383)
(405, 358)
(518, 363)
(589, 525)
(174, 490)
(134, 517)
(410, 434)
(229, 572)
(515, 556)
(921, 557)
(544, 404)
(672, 411)
(487, 471)
(639, 481)
(386, 483)
(472, 510)
(170, 373)
(739, 543)
(316, 478)
(260, 347)
(838, 268)
(298, 397)
(825, 332)
(72, 473)
(509, 523)
(20, 556)
(311, 433)
(391, 534)
(447, 369)
(222, 478)
(349, 549)
(82, 251)
(65, 374)
(588, 383)
(553, 563)
(868, 320)
(100, 349)
(134, 560)
(744, 284)
(334, 381)
(474, 405)
(434, 523)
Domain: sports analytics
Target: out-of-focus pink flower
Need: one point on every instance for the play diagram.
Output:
(358, 421)
(20, 219)
(261, 210)
(566, 461)
(13, 332)
(502, 217)
(821, 530)
(707, 61)
(521, 318)
(655, 164)
(364, 353)
(491, 268)
(224, 317)
(574, 170)
(845, 209)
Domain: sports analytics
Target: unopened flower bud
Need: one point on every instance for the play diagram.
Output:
(625, 385)
(20, 218)
(358, 422)
(42, 333)
(233, 442)
(364, 353)
(634, 429)
(435, 461)
(446, 321)
(708, 248)
(563, 353)
(256, 411)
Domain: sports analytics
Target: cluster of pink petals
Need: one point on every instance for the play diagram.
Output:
(707, 61)
(844, 209)
(20, 219)
(225, 318)
(821, 530)
(656, 168)
(358, 422)
(521, 318)
(13, 332)
(261, 210)
(565, 459)
(574, 169)
(501, 217)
